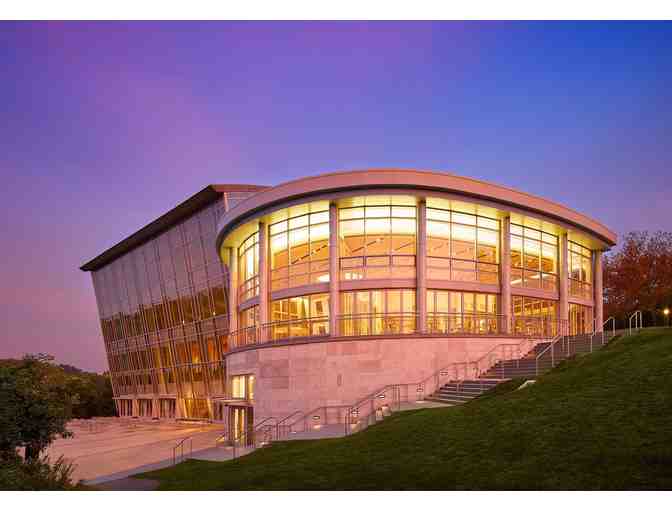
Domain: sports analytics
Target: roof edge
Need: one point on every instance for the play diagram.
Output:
(208, 195)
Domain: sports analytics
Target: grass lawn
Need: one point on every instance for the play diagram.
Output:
(600, 421)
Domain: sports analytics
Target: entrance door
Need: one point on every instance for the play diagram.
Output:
(240, 423)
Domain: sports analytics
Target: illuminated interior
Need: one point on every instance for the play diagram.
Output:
(462, 247)
(300, 250)
(377, 241)
(534, 258)
(378, 312)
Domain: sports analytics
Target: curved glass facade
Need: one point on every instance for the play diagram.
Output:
(462, 247)
(377, 241)
(299, 248)
(534, 259)
(580, 271)
(248, 267)
(348, 265)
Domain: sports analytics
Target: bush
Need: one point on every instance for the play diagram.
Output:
(35, 475)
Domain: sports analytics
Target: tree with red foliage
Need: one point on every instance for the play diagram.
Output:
(639, 277)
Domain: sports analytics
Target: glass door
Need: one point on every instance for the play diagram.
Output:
(241, 419)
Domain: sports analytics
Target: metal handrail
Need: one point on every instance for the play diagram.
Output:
(637, 316)
(181, 446)
(253, 431)
(550, 346)
(613, 327)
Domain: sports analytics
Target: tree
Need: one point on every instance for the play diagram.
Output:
(639, 276)
(36, 406)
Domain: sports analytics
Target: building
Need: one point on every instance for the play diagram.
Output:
(248, 302)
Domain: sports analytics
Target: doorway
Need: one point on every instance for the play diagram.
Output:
(241, 421)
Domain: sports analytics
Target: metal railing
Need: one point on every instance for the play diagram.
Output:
(613, 327)
(368, 410)
(249, 437)
(378, 324)
(180, 446)
(552, 348)
(373, 324)
(469, 323)
(636, 317)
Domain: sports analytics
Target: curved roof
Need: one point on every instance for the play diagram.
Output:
(409, 179)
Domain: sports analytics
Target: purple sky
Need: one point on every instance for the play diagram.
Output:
(105, 126)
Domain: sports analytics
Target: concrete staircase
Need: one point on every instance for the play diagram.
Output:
(543, 357)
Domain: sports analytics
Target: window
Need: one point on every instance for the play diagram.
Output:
(249, 317)
(534, 259)
(580, 319)
(300, 316)
(242, 386)
(378, 312)
(248, 267)
(300, 250)
(533, 316)
(377, 242)
(196, 408)
(462, 247)
(450, 312)
(579, 260)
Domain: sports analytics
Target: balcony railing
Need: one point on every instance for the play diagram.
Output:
(371, 324)
(466, 323)
(379, 324)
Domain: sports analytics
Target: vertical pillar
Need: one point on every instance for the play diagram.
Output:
(563, 287)
(597, 288)
(505, 274)
(334, 273)
(263, 276)
(233, 289)
(421, 268)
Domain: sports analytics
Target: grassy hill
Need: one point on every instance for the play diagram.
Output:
(599, 421)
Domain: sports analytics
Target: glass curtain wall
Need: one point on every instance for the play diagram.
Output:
(532, 316)
(377, 242)
(248, 267)
(451, 312)
(580, 319)
(300, 316)
(462, 247)
(534, 259)
(580, 264)
(378, 312)
(300, 250)
(159, 299)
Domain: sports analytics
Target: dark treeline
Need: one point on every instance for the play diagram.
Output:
(38, 399)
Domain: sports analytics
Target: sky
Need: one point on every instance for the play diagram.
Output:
(106, 126)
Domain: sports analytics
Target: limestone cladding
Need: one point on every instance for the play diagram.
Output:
(303, 377)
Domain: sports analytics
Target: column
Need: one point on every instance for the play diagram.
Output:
(263, 276)
(421, 268)
(597, 287)
(505, 272)
(563, 285)
(233, 289)
(334, 273)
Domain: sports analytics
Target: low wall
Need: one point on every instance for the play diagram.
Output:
(302, 377)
